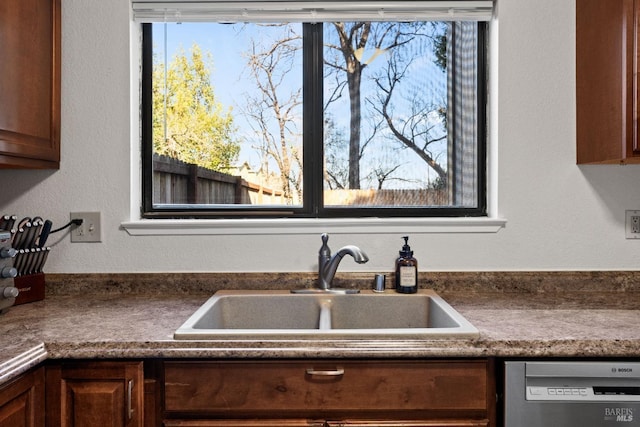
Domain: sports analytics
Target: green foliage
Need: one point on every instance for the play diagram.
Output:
(440, 50)
(199, 129)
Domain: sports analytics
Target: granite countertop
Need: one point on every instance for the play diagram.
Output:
(518, 323)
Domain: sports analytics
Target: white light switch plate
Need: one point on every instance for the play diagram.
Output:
(90, 231)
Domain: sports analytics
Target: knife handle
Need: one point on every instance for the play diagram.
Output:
(8, 252)
(44, 233)
(8, 272)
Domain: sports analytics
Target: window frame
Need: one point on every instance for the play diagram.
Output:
(313, 147)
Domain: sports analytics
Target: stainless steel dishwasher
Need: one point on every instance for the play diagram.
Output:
(568, 394)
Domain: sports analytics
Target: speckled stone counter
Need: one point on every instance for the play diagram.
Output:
(134, 316)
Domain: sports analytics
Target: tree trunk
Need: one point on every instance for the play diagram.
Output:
(354, 79)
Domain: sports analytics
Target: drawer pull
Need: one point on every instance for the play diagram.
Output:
(326, 372)
(129, 399)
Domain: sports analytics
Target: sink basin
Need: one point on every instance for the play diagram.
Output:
(283, 315)
(257, 312)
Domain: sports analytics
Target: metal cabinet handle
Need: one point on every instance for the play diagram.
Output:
(326, 372)
(129, 399)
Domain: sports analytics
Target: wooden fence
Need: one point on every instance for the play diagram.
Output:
(176, 182)
(384, 197)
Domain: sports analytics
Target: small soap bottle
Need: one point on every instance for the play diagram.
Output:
(406, 270)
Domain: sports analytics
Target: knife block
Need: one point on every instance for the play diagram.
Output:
(31, 288)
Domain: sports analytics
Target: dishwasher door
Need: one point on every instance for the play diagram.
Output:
(568, 394)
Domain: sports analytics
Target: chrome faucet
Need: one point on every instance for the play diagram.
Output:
(327, 266)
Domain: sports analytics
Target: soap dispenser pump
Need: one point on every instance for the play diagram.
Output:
(406, 270)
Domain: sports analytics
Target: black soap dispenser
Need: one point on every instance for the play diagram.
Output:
(406, 270)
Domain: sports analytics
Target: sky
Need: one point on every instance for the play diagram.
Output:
(230, 79)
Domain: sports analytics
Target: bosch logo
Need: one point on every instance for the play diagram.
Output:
(622, 370)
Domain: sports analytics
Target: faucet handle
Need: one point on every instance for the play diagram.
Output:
(324, 250)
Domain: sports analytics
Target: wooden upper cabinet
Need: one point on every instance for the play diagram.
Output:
(607, 88)
(30, 84)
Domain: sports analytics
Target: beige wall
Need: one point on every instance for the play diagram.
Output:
(559, 216)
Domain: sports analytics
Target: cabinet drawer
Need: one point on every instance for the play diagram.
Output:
(321, 388)
(244, 423)
(313, 423)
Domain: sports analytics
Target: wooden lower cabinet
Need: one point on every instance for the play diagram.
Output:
(425, 423)
(307, 423)
(329, 393)
(256, 393)
(243, 423)
(22, 401)
(95, 394)
(311, 423)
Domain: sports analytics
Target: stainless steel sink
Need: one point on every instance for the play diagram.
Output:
(282, 315)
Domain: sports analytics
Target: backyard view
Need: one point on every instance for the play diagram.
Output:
(228, 113)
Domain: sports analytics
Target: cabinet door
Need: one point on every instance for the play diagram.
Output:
(22, 401)
(416, 423)
(606, 81)
(30, 83)
(635, 143)
(95, 394)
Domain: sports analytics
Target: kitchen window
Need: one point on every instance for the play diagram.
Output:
(294, 113)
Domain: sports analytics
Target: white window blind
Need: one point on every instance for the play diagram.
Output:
(310, 11)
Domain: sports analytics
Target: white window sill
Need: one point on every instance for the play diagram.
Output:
(182, 227)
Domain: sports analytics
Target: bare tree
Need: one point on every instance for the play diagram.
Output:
(336, 169)
(383, 175)
(335, 143)
(352, 41)
(419, 130)
(275, 109)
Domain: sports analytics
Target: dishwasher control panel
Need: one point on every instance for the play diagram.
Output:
(628, 394)
(571, 381)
